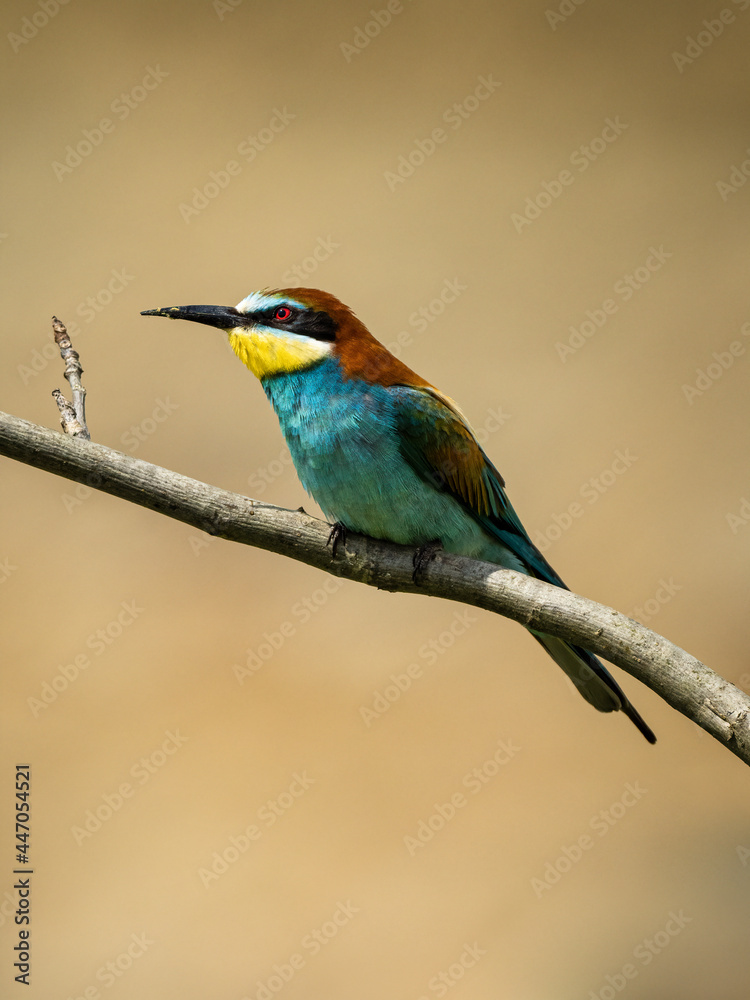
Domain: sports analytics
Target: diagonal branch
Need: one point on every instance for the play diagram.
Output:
(679, 678)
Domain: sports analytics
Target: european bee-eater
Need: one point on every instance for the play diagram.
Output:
(383, 452)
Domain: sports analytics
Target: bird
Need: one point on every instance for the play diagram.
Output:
(385, 453)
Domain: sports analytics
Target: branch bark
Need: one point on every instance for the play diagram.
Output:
(72, 415)
(679, 678)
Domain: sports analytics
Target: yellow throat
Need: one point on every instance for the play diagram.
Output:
(271, 352)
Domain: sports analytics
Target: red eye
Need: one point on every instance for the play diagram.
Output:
(282, 314)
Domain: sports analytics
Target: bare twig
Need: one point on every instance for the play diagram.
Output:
(72, 417)
(679, 678)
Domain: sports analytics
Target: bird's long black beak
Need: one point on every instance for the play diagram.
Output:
(222, 317)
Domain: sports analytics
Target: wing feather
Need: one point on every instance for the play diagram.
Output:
(441, 447)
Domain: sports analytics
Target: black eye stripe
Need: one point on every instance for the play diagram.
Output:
(306, 322)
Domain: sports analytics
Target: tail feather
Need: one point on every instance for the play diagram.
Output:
(593, 680)
(591, 677)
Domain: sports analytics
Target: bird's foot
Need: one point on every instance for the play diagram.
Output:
(423, 557)
(337, 534)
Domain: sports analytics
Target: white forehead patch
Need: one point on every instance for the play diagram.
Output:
(257, 301)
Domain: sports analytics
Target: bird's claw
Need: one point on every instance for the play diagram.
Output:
(423, 556)
(337, 534)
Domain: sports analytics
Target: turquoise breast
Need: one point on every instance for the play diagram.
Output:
(342, 437)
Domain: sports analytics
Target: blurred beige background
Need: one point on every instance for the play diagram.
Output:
(265, 841)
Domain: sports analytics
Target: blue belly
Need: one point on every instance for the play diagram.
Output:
(342, 438)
